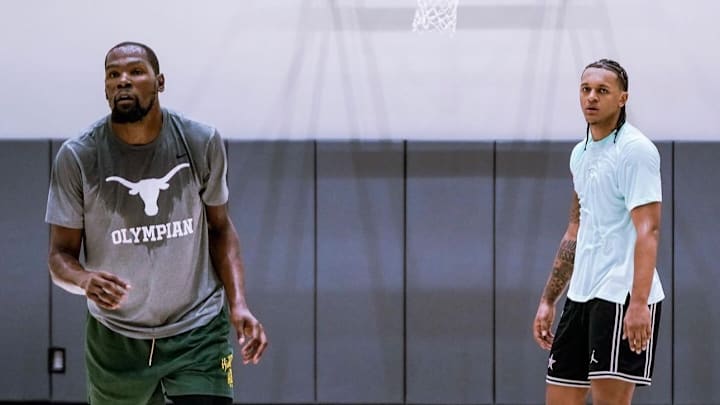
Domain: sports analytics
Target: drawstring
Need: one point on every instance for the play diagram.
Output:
(587, 134)
(152, 350)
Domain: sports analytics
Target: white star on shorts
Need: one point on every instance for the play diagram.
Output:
(551, 361)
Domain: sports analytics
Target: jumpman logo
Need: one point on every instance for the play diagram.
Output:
(592, 358)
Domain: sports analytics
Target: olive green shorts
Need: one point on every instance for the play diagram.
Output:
(121, 370)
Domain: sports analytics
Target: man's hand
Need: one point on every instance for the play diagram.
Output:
(250, 333)
(637, 328)
(542, 327)
(105, 289)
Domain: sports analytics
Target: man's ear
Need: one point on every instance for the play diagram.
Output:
(624, 98)
(161, 82)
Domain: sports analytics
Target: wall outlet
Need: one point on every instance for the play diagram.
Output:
(56, 360)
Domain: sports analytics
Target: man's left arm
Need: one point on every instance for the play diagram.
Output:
(638, 327)
(227, 260)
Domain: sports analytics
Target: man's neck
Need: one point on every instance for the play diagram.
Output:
(141, 132)
(601, 130)
(598, 134)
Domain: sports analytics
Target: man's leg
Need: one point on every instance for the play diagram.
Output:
(117, 369)
(567, 369)
(610, 391)
(561, 395)
(200, 363)
(615, 370)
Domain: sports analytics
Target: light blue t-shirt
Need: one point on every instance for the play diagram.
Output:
(611, 177)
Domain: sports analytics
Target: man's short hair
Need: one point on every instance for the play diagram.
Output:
(611, 65)
(149, 53)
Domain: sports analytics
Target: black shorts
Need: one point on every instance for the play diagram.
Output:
(588, 344)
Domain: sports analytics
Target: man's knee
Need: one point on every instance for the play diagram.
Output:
(608, 391)
(562, 395)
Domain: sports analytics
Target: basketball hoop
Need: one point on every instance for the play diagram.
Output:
(436, 15)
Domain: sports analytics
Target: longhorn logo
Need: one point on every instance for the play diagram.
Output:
(149, 189)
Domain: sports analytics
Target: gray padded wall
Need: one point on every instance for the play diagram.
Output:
(272, 206)
(24, 292)
(532, 200)
(697, 324)
(360, 307)
(360, 272)
(68, 313)
(449, 273)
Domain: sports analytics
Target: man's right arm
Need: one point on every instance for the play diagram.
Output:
(63, 260)
(105, 289)
(562, 270)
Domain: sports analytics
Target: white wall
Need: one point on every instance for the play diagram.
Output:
(352, 69)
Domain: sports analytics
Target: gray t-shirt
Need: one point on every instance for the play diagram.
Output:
(142, 212)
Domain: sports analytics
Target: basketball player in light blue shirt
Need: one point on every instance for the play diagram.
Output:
(606, 338)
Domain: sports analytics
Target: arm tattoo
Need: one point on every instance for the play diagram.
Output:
(575, 211)
(566, 253)
(562, 270)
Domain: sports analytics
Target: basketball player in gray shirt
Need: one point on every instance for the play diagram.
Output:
(144, 191)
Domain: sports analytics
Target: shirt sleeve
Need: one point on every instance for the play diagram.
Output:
(575, 156)
(65, 196)
(215, 190)
(639, 176)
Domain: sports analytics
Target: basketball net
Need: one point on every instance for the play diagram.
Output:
(436, 15)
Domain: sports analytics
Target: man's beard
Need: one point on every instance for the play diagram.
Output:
(134, 114)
